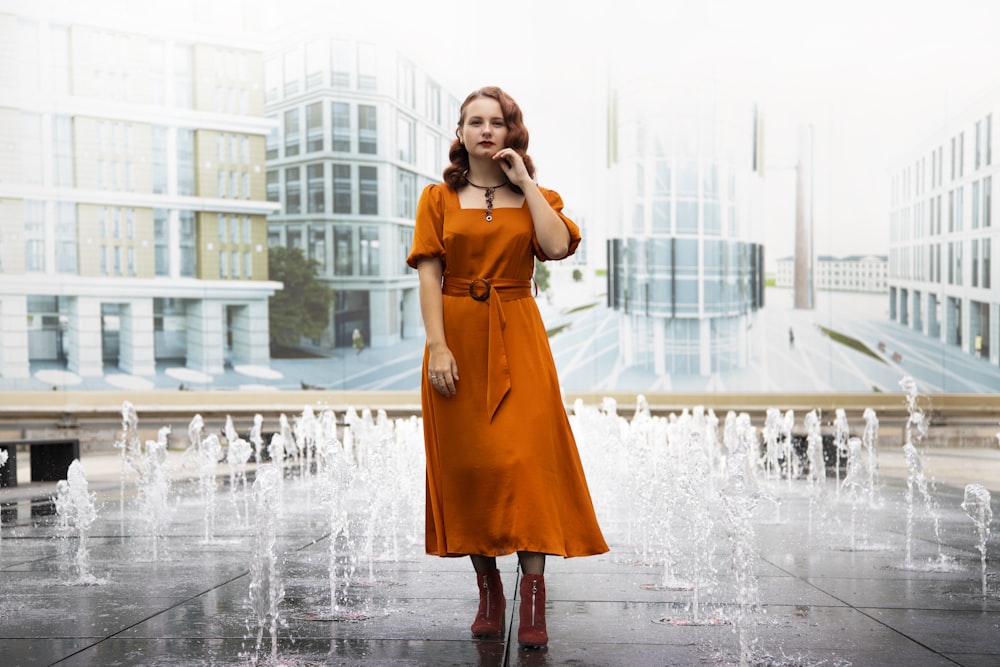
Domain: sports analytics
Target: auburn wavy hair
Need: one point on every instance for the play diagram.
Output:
(517, 137)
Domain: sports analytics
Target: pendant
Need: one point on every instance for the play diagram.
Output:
(489, 204)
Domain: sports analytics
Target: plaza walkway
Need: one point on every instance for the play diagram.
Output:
(827, 575)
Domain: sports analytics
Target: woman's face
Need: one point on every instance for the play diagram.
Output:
(483, 129)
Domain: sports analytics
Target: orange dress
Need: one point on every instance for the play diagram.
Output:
(503, 471)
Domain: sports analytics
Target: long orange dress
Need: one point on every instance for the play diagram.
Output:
(503, 470)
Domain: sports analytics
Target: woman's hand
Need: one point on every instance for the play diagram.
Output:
(513, 167)
(442, 371)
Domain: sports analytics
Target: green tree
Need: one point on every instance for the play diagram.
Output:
(302, 308)
(541, 276)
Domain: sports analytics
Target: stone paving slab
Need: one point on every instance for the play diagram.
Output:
(821, 602)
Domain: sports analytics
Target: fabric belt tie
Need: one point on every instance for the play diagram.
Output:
(493, 291)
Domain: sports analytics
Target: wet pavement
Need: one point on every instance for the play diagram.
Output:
(826, 581)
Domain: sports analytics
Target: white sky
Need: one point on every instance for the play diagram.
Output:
(874, 77)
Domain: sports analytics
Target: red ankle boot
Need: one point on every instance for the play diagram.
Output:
(531, 633)
(489, 623)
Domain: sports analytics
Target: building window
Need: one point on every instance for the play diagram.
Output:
(342, 188)
(340, 121)
(432, 100)
(406, 195)
(62, 146)
(159, 159)
(161, 241)
(247, 265)
(368, 250)
(979, 143)
(291, 132)
(31, 148)
(183, 78)
(66, 245)
(314, 185)
(367, 67)
(986, 264)
(340, 63)
(343, 251)
(292, 71)
(975, 262)
(271, 143)
(406, 84)
(975, 205)
(34, 236)
(987, 201)
(187, 243)
(315, 63)
(314, 127)
(273, 185)
(223, 264)
(989, 140)
(293, 191)
(317, 246)
(367, 130)
(368, 190)
(223, 233)
(185, 162)
(405, 140)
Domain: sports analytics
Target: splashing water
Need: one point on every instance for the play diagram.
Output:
(854, 482)
(77, 511)
(3, 462)
(977, 505)
(266, 587)
(916, 429)
(841, 434)
(153, 488)
(817, 467)
(739, 498)
(870, 440)
(131, 450)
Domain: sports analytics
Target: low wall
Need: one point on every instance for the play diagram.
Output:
(956, 420)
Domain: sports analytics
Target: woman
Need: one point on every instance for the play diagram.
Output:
(503, 471)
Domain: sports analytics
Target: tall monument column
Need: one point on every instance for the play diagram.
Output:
(804, 279)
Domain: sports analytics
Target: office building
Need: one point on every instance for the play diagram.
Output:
(854, 273)
(942, 280)
(359, 130)
(132, 187)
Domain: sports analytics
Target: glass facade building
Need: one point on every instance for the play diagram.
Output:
(684, 267)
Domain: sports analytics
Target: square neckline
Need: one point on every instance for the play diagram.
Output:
(458, 203)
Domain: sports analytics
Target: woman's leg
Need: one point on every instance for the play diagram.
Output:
(532, 562)
(484, 564)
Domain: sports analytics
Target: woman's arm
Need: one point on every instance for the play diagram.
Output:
(552, 235)
(441, 366)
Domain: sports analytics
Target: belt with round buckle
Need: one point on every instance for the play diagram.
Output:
(479, 296)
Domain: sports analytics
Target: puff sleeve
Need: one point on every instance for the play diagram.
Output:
(428, 230)
(556, 202)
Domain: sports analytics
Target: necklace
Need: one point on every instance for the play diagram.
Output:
(490, 189)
